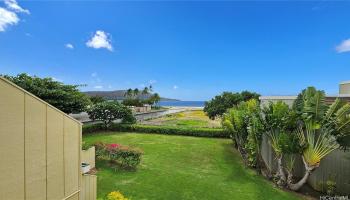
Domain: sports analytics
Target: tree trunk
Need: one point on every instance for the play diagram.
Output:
(282, 176)
(289, 177)
(298, 185)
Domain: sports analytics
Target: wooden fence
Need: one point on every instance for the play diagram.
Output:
(89, 186)
(335, 164)
(88, 156)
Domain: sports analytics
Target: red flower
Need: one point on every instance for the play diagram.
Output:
(113, 146)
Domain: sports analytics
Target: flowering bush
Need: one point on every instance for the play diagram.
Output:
(116, 195)
(125, 156)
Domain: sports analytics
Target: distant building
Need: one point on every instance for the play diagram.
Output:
(344, 94)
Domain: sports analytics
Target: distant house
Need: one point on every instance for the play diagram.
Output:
(40, 150)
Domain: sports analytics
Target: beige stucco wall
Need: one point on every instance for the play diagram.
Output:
(344, 88)
(265, 100)
(39, 148)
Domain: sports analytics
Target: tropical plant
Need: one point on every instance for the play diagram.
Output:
(280, 122)
(316, 143)
(253, 146)
(311, 106)
(233, 121)
(278, 116)
(244, 124)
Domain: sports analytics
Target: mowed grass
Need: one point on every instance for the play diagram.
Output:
(183, 168)
(186, 119)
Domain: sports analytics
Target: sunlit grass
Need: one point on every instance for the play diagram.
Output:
(182, 167)
(187, 119)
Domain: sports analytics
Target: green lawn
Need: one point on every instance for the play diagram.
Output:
(183, 168)
(186, 119)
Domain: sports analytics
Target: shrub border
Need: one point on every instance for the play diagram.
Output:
(165, 130)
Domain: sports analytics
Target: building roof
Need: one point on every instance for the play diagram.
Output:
(344, 82)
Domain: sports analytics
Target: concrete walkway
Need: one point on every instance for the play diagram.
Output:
(83, 117)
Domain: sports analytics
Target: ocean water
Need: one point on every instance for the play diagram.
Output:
(182, 103)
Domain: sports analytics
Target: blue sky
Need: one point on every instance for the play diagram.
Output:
(187, 50)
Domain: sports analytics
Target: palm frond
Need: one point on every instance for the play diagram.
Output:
(319, 145)
(332, 109)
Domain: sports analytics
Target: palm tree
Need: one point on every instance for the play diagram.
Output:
(155, 98)
(136, 92)
(145, 91)
(129, 93)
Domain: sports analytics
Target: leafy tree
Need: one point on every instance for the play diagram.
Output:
(220, 103)
(246, 95)
(107, 112)
(96, 99)
(67, 98)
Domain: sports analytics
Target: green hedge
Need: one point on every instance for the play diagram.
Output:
(139, 128)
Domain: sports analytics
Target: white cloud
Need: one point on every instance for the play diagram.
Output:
(13, 5)
(98, 87)
(8, 15)
(110, 87)
(7, 18)
(69, 46)
(175, 87)
(344, 46)
(101, 39)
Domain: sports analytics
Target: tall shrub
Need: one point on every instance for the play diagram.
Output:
(244, 124)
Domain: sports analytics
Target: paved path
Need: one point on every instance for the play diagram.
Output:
(84, 117)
